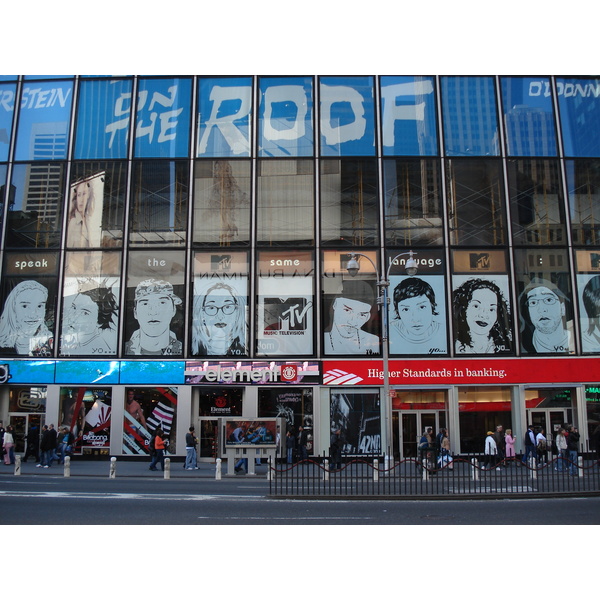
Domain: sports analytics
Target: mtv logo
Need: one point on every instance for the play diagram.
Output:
(220, 262)
(479, 260)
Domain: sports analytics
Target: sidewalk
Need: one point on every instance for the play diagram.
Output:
(125, 467)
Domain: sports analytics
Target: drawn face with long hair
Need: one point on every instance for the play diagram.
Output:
(83, 314)
(482, 311)
(30, 310)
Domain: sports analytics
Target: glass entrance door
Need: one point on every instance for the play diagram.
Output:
(412, 426)
(208, 439)
(550, 420)
(21, 425)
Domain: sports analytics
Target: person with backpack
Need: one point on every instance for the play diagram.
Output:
(541, 448)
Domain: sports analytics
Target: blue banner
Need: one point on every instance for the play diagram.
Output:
(163, 118)
(103, 119)
(224, 110)
(285, 117)
(347, 116)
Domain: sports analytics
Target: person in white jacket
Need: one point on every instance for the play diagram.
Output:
(561, 446)
(8, 444)
(490, 451)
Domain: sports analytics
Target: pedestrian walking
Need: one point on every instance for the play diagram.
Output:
(191, 453)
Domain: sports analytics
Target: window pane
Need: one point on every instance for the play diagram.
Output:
(35, 210)
(285, 202)
(155, 304)
(159, 203)
(347, 116)
(579, 105)
(44, 119)
(90, 304)
(285, 304)
(224, 111)
(28, 292)
(3, 169)
(349, 202)
(470, 116)
(7, 109)
(222, 202)
(536, 202)
(285, 117)
(583, 188)
(107, 183)
(163, 118)
(476, 205)
(413, 203)
(408, 107)
(481, 306)
(103, 117)
(545, 301)
(528, 116)
(220, 311)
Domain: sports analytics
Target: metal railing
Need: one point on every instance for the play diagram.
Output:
(464, 475)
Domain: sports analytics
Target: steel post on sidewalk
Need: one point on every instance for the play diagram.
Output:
(113, 468)
(167, 473)
(218, 469)
(67, 466)
(17, 465)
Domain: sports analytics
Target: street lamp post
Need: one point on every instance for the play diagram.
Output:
(383, 283)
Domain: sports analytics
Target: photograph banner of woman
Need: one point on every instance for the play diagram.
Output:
(84, 228)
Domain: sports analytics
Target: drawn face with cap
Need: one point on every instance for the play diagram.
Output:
(482, 312)
(416, 314)
(546, 310)
(154, 312)
(349, 316)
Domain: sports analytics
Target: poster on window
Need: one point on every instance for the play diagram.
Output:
(86, 199)
(482, 314)
(29, 293)
(417, 315)
(220, 306)
(90, 316)
(146, 410)
(285, 304)
(357, 417)
(589, 310)
(155, 293)
(86, 414)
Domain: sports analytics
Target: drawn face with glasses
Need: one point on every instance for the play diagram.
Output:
(546, 311)
(219, 314)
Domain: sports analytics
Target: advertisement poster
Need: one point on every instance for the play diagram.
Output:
(29, 291)
(589, 303)
(147, 409)
(86, 413)
(417, 315)
(262, 432)
(220, 308)
(482, 314)
(285, 304)
(86, 200)
(357, 416)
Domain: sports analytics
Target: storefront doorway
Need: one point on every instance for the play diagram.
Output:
(549, 409)
(413, 412)
(21, 425)
(208, 438)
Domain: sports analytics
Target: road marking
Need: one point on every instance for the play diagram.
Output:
(117, 496)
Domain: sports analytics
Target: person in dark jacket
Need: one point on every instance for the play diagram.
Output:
(43, 448)
(290, 444)
(302, 440)
(572, 448)
(335, 449)
(33, 444)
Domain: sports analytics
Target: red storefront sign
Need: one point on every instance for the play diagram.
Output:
(493, 371)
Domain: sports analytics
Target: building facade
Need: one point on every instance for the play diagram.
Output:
(377, 254)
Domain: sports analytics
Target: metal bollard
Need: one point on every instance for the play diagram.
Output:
(386, 465)
(375, 470)
(269, 470)
(17, 465)
(218, 469)
(167, 473)
(67, 466)
(113, 468)
(474, 469)
(580, 465)
(326, 470)
(532, 468)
